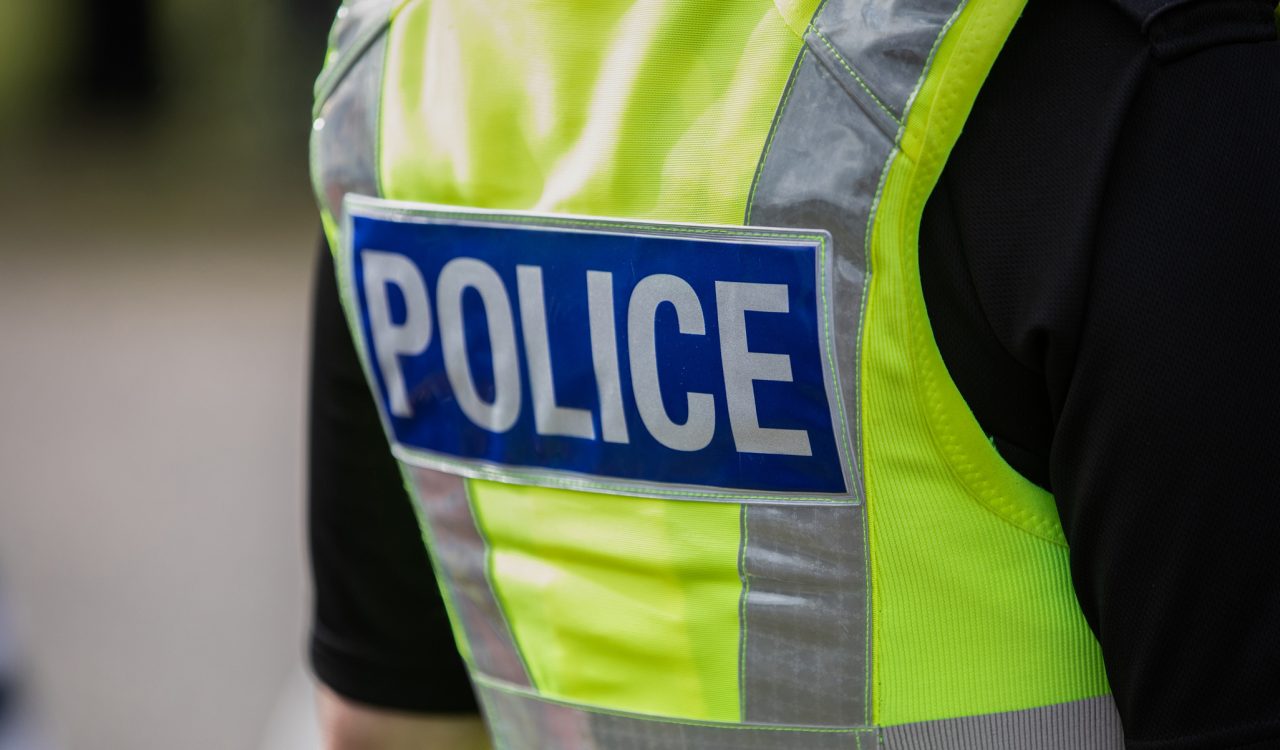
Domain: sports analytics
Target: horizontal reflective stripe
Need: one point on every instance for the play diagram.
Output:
(520, 721)
(1090, 724)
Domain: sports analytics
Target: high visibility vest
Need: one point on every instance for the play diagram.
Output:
(636, 286)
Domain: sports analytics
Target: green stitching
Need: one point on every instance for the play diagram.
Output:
(831, 363)
(516, 691)
(411, 455)
(442, 576)
(866, 284)
(933, 52)
(329, 79)
(742, 612)
(377, 116)
(773, 131)
(868, 612)
(569, 222)
(488, 578)
(857, 78)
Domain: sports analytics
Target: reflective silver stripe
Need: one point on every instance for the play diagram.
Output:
(1091, 724)
(830, 144)
(881, 46)
(821, 170)
(344, 134)
(806, 650)
(356, 21)
(804, 631)
(461, 554)
(519, 721)
(805, 611)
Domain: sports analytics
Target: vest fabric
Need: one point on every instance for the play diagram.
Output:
(930, 606)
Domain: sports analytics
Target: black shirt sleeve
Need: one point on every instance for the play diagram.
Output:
(1102, 267)
(380, 633)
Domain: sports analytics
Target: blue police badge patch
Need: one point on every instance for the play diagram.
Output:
(616, 356)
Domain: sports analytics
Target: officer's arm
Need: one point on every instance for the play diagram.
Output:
(380, 635)
(351, 726)
(1166, 463)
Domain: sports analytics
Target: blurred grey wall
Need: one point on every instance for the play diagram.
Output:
(155, 265)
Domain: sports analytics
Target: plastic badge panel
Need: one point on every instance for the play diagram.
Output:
(650, 359)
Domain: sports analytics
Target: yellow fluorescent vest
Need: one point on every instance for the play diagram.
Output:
(930, 609)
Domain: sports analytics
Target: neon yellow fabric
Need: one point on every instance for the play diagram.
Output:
(603, 593)
(972, 605)
(654, 110)
(658, 111)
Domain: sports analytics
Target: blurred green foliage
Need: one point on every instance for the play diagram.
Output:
(32, 54)
(235, 74)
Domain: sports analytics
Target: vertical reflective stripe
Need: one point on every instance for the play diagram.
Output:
(344, 139)
(525, 722)
(804, 625)
(881, 46)
(462, 554)
(821, 168)
(1091, 724)
(806, 606)
(829, 145)
(357, 20)
(806, 621)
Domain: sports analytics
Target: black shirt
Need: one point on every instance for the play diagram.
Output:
(1101, 264)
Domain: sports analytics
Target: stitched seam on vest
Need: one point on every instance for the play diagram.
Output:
(377, 123)
(493, 589)
(773, 131)
(863, 384)
(941, 424)
(415, 458)
(864, 393)
(657, 228)
(799, 33)
(862, 84)
(517, 691)
(331, 79)
(941, 428)
(743, 598)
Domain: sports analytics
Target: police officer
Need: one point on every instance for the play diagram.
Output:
(743, 402)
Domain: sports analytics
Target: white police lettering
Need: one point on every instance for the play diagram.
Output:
(742, 367)
(549, 418)
(394, 340)
(652, 291)
(456, 277)
(604, 356)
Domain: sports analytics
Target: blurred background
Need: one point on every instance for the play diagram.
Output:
(156, 241)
